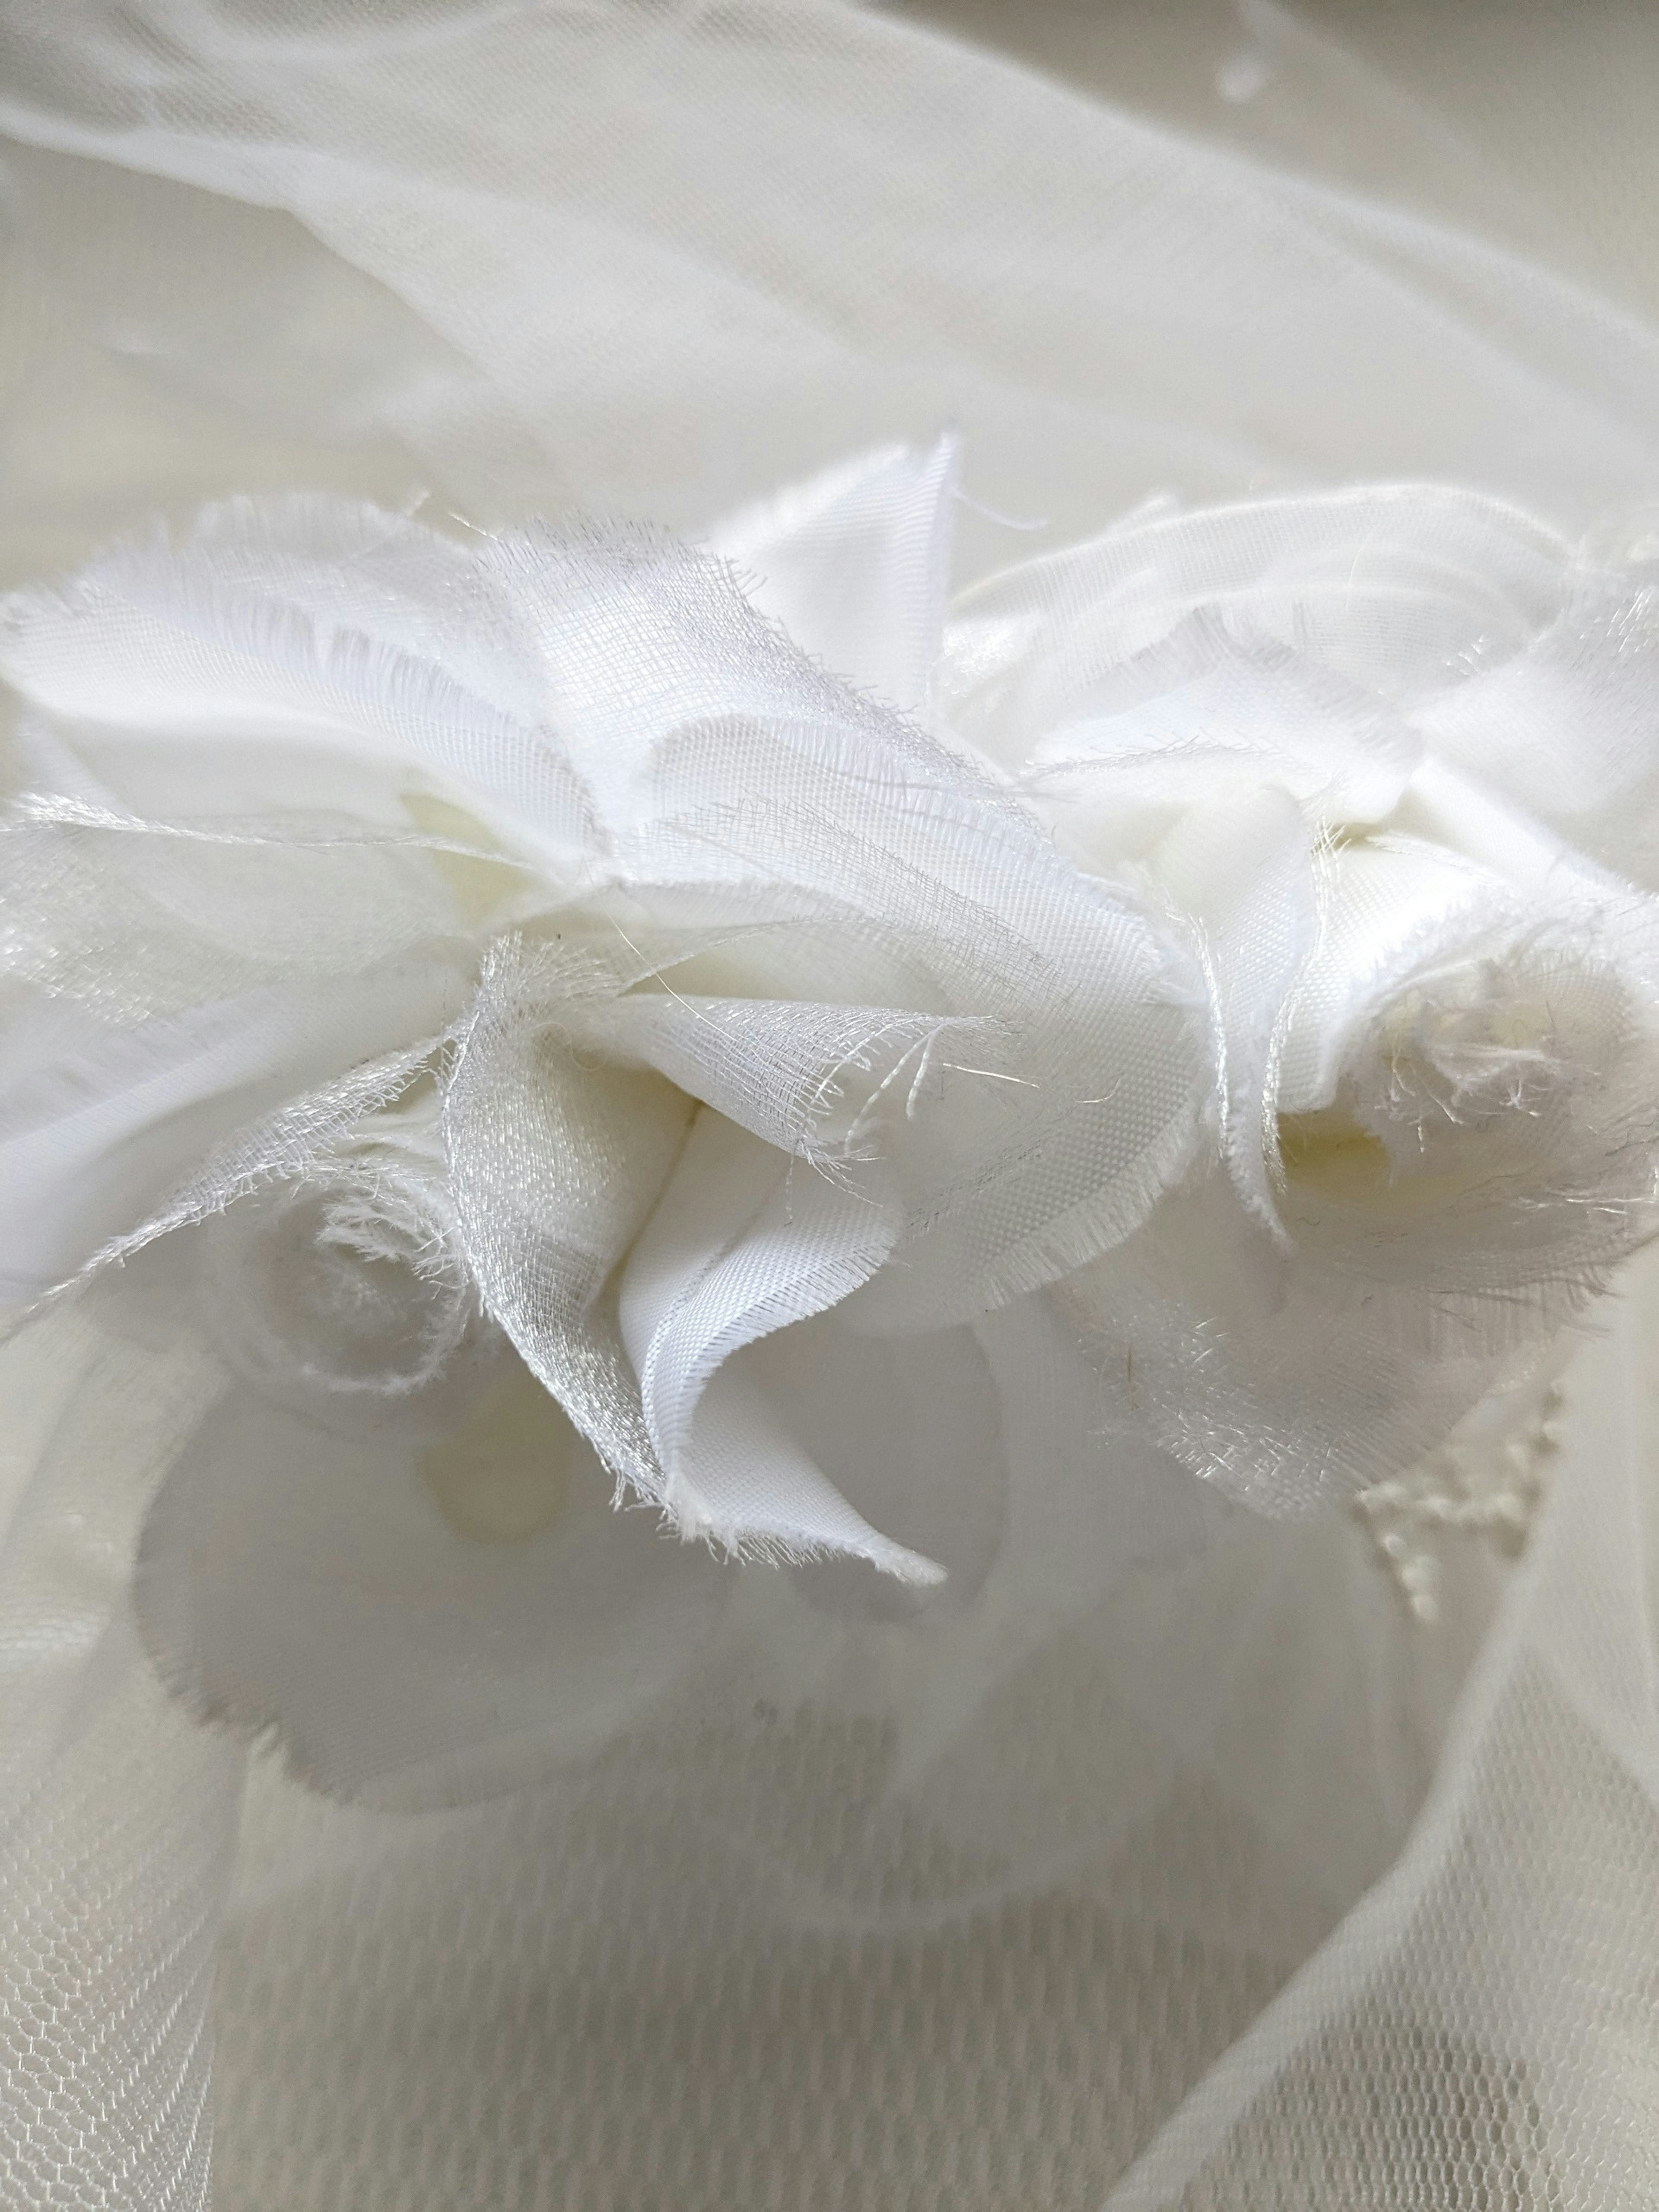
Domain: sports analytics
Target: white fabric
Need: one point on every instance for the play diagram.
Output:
(875, 1069)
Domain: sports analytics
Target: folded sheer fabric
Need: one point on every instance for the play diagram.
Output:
(1150, 1745)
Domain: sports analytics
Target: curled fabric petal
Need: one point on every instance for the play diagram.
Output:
(284, 1146)
(1477, 1074)
(106, 1123)
(1043, 1134)
(1463, 1151)
(809, 1078)
(555, 1161)
(985, 1445)
(742, 1243)
(132, 917)
(552, 1165)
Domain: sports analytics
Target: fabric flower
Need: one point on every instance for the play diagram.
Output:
(864, 1080)
(516, 967)
(1336, 733)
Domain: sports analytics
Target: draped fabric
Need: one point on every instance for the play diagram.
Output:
(826, 1096)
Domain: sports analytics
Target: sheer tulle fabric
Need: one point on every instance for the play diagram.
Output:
(1159, 1854)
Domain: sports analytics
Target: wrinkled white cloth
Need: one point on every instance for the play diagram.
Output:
(966, 1039)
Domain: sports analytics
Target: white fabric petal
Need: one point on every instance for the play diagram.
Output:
(1047, 1128)
(1397, 590)
(104, 1125)
(855, 565)
(133, 917)
(1496, 1054)
(1285, 1382)
(552, 1164)
(1586, 680)
(1242, 871)
(1463, 1152)
(645, 643)
(808, 1077)
(415, 1622)
(742, 1243)
(1209, 710)
(307, 619)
